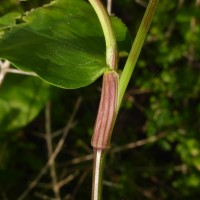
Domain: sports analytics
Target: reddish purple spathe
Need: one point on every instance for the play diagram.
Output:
(107, 111)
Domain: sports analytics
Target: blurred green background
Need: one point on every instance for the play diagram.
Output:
(160, 115)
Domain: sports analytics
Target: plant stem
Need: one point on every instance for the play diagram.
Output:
(99, 158)
(110, 100)
(52, 165)
(109, 6)
(103, 128)
(136, 48)
(108, 105)
(4, 66)
(107, 112)
(111, 44)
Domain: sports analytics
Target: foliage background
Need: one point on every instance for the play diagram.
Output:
(162, 102)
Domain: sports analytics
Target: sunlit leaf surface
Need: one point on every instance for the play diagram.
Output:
(62, 42)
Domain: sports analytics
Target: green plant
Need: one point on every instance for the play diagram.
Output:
(55, 42)
(155, 148)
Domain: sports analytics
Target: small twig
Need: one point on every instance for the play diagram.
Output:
(55, 153)
(138, 143)
(81, 159)
(118, 149)
(180, 3)
(4, 66)
(141, 2)
(57, 133)
(49, 142)
(146, 193)
(181, 168)
(16, 71)
(109, 6)
(67, 180)
(113, 185)
(3, 195)
(84, 146)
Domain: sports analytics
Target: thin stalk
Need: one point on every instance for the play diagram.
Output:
(99, 158)
(111, 44)
(109, 6)
(16, 71)
(52, 165)
(107, 114)
(136, 48)
(4, 66)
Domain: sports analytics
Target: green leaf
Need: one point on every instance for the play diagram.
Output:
(63, 43)
(8, 20)
(21, 99)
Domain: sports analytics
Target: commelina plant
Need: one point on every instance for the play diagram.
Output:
(70, 44)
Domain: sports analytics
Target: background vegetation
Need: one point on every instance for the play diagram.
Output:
(155, 150)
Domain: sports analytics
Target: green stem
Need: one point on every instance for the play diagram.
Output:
(107, 110)
(99, 158)
(111, 44)
(109, 82)
(136, 48)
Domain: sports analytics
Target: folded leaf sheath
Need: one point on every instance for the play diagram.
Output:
(107, 111)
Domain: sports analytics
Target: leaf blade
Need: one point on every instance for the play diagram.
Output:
(62, 43)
